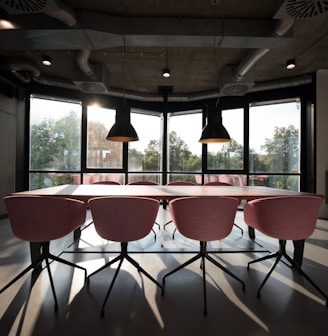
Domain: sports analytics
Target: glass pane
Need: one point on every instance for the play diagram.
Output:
(289, 182)
(274, 138)
(55, 135)
(93, 178)
(146, 154)
(145, 177)
(183, 177)
(237, 180)
(229, 155)
(102, 153)
(44, 180)
(184, 148)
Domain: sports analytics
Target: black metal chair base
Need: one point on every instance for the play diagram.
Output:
(123, 255)
(202, 255)
(278, 255)
(37, 265)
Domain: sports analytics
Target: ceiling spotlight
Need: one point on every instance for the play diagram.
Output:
(290, 64)
(166, 73)
(46, 60)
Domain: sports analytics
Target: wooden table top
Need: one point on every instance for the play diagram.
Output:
(87, 191)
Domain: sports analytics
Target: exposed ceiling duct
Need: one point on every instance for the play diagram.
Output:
(236, 81)
(24, 70)
(98, 31)
(230, 85)
(97, 82)
(53, 8)
(302, 9)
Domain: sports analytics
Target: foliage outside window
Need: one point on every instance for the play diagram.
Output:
(184, 148)
(102, 153)
(55, 141)
(274, 142)
(145, 155)
(229, 155)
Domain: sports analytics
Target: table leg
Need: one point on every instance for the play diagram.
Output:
(298, 251)
(35, 253)
(251, 232)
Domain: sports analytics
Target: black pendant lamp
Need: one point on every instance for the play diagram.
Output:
(122, 130)
(214, 131)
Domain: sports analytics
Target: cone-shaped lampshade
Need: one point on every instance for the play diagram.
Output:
(122, 130)
(214, 131)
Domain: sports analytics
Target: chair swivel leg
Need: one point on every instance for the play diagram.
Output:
(208, 257)
(103, 267)
(188, 262)
(102, 312)
(282, 253)
(63, 261)
(204, 285)
(21, 274)
(51, 282)
(237, 226)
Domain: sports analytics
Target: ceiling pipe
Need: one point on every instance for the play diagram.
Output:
(63, 13)
(83, 62)
(281, 28)
(270, 85)
(24, 71)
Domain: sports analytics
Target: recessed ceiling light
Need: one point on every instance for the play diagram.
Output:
(46, 60)
(166, 73)
(290, 64)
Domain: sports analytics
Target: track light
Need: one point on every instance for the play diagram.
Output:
(214, 131)
(166, 73)
(46, 60)
(290, 64)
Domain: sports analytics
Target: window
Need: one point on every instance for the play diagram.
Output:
(58, 155)
(55, 141)
(274, 141)
(145, 155)
(102, 153)
(184, 148)
(229, 155)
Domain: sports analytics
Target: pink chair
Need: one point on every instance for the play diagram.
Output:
(284, 218)
(123, 219)
(146, 183)
(203, 219)
(177, 183)
(143, 183)
(218, 183)
(40, 219)
(107, 182)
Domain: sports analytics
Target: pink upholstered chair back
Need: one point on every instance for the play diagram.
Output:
(143, 183)
(217, 183)
(185, 183)
(204, 218)
(107, 182)
(123, 219)
(285, 217)
(43, 218)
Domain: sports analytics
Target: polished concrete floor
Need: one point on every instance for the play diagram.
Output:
(288, 304)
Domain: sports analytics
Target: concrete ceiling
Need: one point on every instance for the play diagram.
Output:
(120, 47)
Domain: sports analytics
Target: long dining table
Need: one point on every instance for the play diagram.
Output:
(85, 192)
